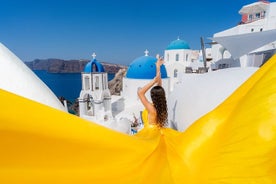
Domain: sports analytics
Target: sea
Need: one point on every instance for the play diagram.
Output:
(67, 85)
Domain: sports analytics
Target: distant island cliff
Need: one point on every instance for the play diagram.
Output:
(68, 66)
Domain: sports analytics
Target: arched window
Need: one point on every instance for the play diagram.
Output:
(104, 80)
(177, 57)
(86, 83)
(97, 85)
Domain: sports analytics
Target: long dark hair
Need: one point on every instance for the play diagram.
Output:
(159, 101)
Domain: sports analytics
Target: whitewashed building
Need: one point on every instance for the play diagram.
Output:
(95, 98)
(180, 58)
(252, 42)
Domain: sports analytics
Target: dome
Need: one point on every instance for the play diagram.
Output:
(90, 66)
(178, 44)
(144, 68)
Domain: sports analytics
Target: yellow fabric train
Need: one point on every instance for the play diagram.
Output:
(235, 143)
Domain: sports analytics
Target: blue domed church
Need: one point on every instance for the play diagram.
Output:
(179, 58)
(141, 71)
(95, 98)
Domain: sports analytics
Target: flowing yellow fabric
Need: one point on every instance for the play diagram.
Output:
(234, 143)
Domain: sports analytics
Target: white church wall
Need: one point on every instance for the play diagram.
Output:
(131, 86)
(173, 71)
(178, 55)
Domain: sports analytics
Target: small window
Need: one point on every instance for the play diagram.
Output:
(97, 82)
(261, 29)
(252, 30)
(222, 66)
(250, 17)
(175, 73)
(177, 57)
(258, 15)
(187, 56)
(86, 83)
(104, 85)
(168, 57)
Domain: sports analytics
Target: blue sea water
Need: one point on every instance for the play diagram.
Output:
(67, 85)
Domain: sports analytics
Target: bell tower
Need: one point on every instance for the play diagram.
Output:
(95, 97)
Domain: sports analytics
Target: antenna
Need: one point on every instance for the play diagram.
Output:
(203, 53)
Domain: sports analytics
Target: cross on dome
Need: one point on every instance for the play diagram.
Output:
(94, 55)
(146, 52)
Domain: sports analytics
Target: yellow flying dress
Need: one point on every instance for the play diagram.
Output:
(234, 143)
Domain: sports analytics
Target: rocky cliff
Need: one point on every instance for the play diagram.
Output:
(116, 84)
(68, 66)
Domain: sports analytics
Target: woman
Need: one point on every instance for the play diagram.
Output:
(157, 110)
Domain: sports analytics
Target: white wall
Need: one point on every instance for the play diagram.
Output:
(182, 56)
(130, 87)
(271, 22)
(197, 94)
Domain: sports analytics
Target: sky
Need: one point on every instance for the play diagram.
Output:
(118, 31)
